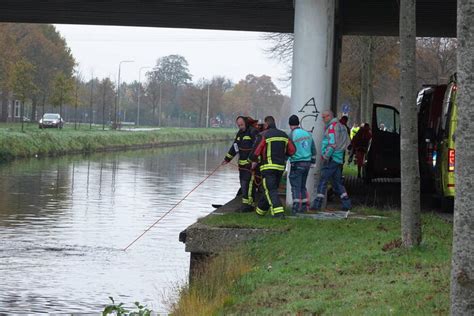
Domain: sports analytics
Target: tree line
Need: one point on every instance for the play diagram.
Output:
(32, 59)
(369, 69)
(38, 69)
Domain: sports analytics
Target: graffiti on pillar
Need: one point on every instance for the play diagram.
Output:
(309, 116)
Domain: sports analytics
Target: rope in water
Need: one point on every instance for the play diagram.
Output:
(171, 209)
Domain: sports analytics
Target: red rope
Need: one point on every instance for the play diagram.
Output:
(170, 210)
(258, 179)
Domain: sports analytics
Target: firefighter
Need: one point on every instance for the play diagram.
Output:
(242, 146)
(272, 146)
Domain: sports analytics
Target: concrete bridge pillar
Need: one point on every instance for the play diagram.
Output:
(312, 75)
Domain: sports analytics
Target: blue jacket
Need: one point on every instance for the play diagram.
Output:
(304, 143)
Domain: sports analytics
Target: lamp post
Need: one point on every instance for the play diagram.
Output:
(139, 92)
(207, 107)
(117, 98)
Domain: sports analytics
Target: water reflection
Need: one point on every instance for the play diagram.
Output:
(65, 221)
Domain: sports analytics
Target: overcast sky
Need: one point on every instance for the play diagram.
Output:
(99, 49)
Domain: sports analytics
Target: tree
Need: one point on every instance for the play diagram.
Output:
(22, 85)
(194, 99)
(8, 53)
(266, 96)
(255, 96)
(47, 51)
(410, 174)
(436, 59)
(281, 49)
(63, 87)
(368, 70)
(169, 74)
(238, 101)
(40, 45)
(219, 87)
(154, 92)
(77, 99)
(108, 92)
(462, 272)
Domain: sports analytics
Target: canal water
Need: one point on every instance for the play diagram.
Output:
(64, 223)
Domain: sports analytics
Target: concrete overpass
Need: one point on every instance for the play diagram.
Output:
(354, 17)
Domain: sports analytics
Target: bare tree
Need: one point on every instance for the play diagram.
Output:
(281, 46)
(436, 59)
(462, 272)
(281, 49)
(410, 174)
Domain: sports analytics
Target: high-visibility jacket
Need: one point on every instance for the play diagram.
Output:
(354, 131)
(304, 143)
(273, 147)
(242, 145)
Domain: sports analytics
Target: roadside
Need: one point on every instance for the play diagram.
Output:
(52, 142)
(326, 267)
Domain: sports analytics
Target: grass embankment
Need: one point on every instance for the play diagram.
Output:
(53, 142)
(326, 267)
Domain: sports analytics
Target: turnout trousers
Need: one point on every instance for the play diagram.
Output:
(270, 201)
(247, 184)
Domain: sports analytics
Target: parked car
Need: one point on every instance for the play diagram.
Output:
(51, 120)
(383, 155)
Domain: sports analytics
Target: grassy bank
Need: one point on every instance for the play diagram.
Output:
(328, 267)
(52, 142)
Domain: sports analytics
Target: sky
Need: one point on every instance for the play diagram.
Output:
(233, 54)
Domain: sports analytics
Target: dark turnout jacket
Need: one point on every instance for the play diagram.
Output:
(272, 146)
(242, 145)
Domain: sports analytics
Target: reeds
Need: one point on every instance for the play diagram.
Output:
(210, 287)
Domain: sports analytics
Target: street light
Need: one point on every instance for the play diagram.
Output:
(207, 107)
(139, 92)
(117, 98)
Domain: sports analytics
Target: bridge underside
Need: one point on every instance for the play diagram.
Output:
(356, 17)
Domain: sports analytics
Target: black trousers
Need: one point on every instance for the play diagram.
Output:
(270, 199)
(246, 185)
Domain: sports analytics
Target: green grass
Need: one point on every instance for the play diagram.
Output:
(339, 267)
(350, 170)
(53, 142)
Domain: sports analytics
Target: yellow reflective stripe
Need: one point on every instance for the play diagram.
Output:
(278, 210)
(250, 195)
(269, 153)
(276, 139)
(272, 167)
(260, 211)
(243, 162)
(247, 138)
(229, 156)
(245, 201)
(267, 193)
(238, 138)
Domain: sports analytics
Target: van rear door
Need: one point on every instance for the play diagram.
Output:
(383, 159)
